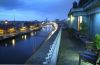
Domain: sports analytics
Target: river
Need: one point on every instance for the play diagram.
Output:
(19, 49)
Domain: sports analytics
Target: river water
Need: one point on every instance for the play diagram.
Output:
(19, 49)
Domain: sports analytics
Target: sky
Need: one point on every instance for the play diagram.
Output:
(34, 9)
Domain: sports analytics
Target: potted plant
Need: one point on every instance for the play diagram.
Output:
(83, 29)
(97, 41)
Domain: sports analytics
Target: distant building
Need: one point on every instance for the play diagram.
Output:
(87, 11)
(10, 27)
(7, 29)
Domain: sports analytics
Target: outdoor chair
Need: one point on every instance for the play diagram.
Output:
(88, 56)
(45, 63)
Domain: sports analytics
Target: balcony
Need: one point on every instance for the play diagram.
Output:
(76, 10)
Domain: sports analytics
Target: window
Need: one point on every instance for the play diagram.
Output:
(80, 19)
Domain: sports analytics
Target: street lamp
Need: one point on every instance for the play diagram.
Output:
(6, 22)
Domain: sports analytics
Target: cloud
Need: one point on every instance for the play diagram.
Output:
(50, 9)
(10, 4)
(46, 6)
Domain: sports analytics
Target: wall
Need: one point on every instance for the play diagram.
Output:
(75, 23)
(94, 24)
(97, 23)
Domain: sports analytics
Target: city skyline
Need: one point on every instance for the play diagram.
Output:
(34, 9)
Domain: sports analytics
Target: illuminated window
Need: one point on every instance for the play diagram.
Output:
(80, 19)
(11, 30)
(1, 31)
(23, 29)
(32, 27)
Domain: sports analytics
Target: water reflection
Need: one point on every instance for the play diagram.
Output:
(32, 34)
(35, 33)
(18, 47)
(6, 45)
(13, 42)
(25, 37)
(22, 36)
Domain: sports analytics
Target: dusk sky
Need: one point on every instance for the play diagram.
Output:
(34, 9)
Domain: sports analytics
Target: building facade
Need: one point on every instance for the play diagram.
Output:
(87, 11)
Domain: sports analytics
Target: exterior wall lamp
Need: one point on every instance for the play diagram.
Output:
(72, 18)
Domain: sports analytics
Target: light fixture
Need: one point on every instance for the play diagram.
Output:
(72, 18)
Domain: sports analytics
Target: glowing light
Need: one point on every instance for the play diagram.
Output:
(22, 37)
(11, 30)
(13, 42)
(79, 22)
(32, 34)
(25, 37)
(31, 27)
(72, 18)
(1, 32)
(80, 19)
(23, 29)
(6, 22)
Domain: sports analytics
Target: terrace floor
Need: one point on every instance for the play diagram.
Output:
(69, 50)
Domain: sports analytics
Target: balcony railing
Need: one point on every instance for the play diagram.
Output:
(48, 51)
(52, 55)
